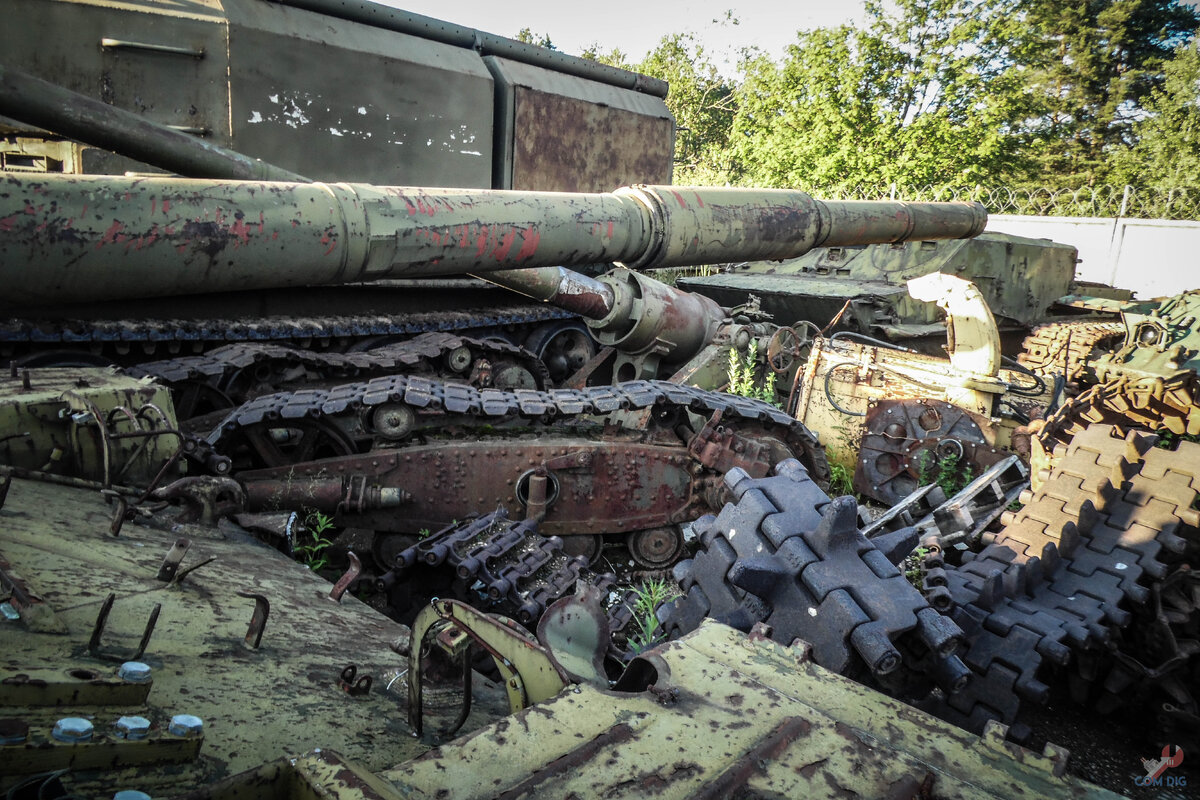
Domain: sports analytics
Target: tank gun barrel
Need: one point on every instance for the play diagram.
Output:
(106, 238)
(635, 313)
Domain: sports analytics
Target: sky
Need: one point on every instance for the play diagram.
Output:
(636, 26)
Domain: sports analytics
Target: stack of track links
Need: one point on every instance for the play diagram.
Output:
(1091, 575)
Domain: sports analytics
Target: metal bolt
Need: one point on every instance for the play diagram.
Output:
(132, 728)
(134, 672)
(13, 731)
(72, 729)
(184, 725)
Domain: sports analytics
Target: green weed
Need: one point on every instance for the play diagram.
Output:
(841, 480)
(311, 553)
(648, 597)
(949, 472)
(743, 380)
(914, 566)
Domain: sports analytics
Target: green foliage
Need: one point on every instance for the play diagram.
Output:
(648, 597)
(703, 103)
(841, 480)
(743, 379)
(540, 39)
(914, 566)
(1092, 67)
(1166, 142)
(921, 96)
(954, 93)
(948, 472)
(309, 550)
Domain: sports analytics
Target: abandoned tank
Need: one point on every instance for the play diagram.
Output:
(153, 86)
(971, 658)
(782, 547)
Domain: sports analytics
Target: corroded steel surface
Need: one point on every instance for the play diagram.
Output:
(632, 475)
(256, 704)
(86, 423)
(165, 236)
(717, 714)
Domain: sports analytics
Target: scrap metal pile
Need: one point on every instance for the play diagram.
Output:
(1092, 575)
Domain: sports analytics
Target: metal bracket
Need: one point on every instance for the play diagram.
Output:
(258, 620)
(351, 574)
(98, 631)
(352, 687)
(529, 672)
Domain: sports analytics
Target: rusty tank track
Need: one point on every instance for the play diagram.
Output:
(1064, 348)
(1154, 404)
(238, 372)
(788, 556)
(1092, 575)
(498, 565)
(487, 406)
(350, 433)
(1068, 574)
(150, 336)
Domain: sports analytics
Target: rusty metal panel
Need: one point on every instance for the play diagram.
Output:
(561, 133)
(724, 715)
(335, 100)
(256, 704)
(165, 62)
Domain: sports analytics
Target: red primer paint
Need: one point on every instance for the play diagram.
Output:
(481, 241)
(166, 205)
(329, 240)
(6, 224)
(698, 200)
(241, 230)
(110, 235)
(506, 243)
(610, 229)
(679, 197)
(529, 244)
(153, 205)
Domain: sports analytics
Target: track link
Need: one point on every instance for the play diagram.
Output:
(245, 370)
(1069, 571)
(1064, 348)
(788, 556)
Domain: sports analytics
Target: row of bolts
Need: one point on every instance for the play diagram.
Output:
(74, 730)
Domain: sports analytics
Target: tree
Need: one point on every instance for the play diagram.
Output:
(922, 96)
(540, 39)
(1166, 151)
(703, 105)
(1093, 64)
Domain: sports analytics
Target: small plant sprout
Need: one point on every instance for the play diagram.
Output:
(648, 597)
(742, 374)
(311, 553)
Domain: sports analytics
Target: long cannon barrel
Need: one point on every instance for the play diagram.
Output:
(67, 239)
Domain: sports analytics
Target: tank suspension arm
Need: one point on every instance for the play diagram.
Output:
(34, 101)
(100, 237)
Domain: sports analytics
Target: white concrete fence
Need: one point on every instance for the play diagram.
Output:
(1153, 257)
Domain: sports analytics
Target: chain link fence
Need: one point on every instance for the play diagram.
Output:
(1105, 200)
